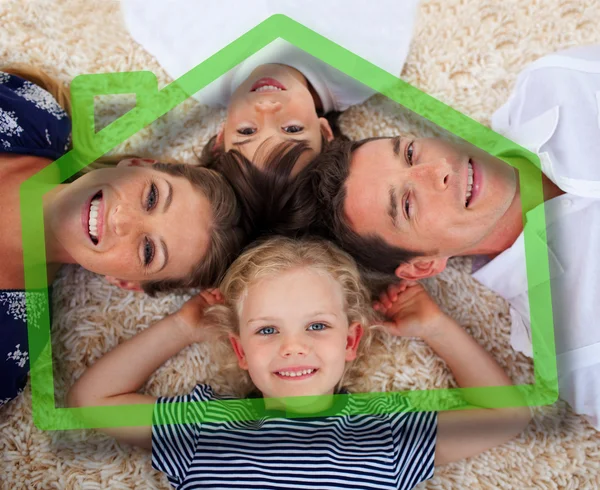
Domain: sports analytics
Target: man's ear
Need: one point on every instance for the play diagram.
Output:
(136, 162)
(326, 129)
(239, 351)
(355, 333)
(127, 285)
(421, 267)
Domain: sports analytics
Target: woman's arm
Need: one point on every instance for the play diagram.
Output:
(117, 376)
(461, 433)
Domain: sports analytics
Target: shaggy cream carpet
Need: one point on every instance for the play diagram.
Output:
(466, 53)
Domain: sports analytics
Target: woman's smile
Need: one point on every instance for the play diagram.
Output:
(93, 217)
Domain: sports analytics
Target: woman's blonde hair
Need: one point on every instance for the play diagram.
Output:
(59, 90)
(275, 256)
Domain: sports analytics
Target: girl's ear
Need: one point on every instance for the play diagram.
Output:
(355, 333)
(127, 285)
(239, 351)
(326, 129)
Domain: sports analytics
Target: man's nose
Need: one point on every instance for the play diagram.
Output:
(267, 106)
(437, 174)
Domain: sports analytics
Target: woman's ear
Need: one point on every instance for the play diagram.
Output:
(420, 268)
(355, 333)
(127, 285)
(239, 351)
(326, 129)
(137, 162)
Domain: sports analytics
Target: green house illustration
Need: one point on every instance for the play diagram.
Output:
(151, 104)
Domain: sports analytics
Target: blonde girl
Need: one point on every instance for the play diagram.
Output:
(296, 314)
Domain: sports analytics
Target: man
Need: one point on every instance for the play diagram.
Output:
(405, 206)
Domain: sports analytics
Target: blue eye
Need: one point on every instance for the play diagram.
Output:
(267, 331)
(316, 327)
(152, 198)
(148, 251)
(293, 128)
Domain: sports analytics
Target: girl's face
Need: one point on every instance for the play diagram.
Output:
(131, 222)
(273, 105)
(294, 336)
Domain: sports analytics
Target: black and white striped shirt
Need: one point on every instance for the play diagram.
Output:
(239, 449)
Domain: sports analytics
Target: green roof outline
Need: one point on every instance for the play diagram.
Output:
(152, 104)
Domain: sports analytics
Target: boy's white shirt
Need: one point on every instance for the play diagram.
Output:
(554, 111)
(182, 33)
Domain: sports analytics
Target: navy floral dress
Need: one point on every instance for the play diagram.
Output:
(31, 123)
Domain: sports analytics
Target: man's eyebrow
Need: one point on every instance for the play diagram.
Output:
(163, 245)
(396, 145)
(393, 207)
(169, 197)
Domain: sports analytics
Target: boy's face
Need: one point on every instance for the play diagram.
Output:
(273, 105)
(294, 337)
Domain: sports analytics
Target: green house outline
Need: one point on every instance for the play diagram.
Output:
(152, 104)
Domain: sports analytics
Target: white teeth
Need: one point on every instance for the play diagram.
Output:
(469, 182)
(264, 88)
(293, 374)
(93, 220)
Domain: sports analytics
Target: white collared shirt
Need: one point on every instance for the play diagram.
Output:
(181, 34)
(554, 111)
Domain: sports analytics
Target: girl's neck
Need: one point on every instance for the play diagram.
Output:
(300, 404)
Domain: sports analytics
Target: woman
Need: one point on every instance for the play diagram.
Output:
(144, 225)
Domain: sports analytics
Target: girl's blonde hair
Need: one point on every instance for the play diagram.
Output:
(275, 256)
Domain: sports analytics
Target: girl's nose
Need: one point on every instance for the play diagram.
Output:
(293, 346)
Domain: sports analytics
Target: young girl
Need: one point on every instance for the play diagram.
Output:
(130, 223)
(297, 316)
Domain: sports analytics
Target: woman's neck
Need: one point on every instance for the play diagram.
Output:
(55, 252)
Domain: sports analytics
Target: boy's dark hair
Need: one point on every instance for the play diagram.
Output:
(269, 197)
(211, 153)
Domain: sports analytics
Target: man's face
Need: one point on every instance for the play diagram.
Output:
(427, 195)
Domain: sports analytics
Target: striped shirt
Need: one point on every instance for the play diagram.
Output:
(236, 448)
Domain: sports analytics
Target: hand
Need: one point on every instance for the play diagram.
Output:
(412, 313)
(387, 297)
(191, 314)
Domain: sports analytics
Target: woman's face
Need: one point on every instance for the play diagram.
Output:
(132, 222)
(273, 105)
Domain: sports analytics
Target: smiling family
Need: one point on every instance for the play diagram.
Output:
(294, 312)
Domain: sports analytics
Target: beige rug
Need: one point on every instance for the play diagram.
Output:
(465, 52)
